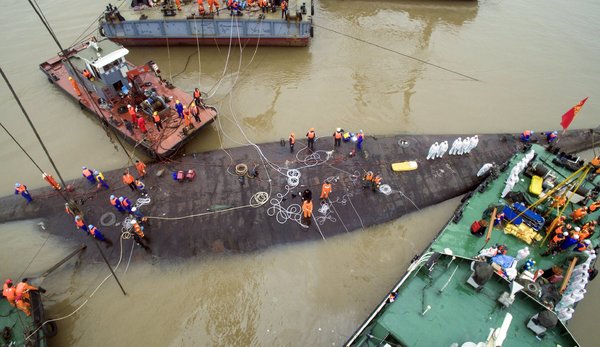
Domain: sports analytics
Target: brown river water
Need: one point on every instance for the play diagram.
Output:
(513, 65)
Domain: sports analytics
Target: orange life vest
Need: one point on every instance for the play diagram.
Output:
(21, 188)
(138, 230)
(87, 172)
(156, 118)
(326, 189)
(127, 179)
(292, 139)
(9, 293)
(113, 201)
(197, 93)
(338, 135)
(311, 135)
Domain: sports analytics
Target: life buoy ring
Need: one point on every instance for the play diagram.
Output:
(50, 329)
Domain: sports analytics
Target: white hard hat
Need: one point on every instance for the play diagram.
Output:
(134, 209)
(133, 221)
(587, 242)
(576, 237)
(338, 129)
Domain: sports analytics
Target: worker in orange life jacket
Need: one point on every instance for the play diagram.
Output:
(325, 190)
(22, 189)
(178, 3)
(292, 141)
(157, 121)
(116, 203)
(88, 75)
(22, 298)
(80, 223)
(197, 93)
(579, 213)
(89, 175)
(8, 291)
(133, 115)
(141, 168)
(284, 9)
(376, 183)
(129, 180)
(367, 179)
(307, 208)
(310, 136)
(337, 137)
(195, 112)
(201, 10)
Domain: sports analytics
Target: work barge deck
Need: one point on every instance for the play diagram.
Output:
(214, 213)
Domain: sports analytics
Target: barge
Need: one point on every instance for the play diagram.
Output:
(147, 23)
(96, 74)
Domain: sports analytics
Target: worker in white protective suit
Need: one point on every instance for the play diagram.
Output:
(465, 145)
(443, 148)
(433, 150)
(473, 143)
(455, 146)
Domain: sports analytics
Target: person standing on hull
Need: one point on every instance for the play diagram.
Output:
(292, 140)
(310, 136)
(22, 189)
(195, 112)
(141, 168)
(157, 121)
(337, 138)
(128, 180)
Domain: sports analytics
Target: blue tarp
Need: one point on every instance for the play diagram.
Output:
(503, 260)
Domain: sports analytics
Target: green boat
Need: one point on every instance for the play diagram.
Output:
(491, 290)
(17, 329)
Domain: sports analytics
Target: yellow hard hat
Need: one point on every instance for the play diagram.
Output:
(70, 78)
(155, 113)
(177, 102)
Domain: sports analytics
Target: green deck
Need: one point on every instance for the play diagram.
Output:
(460, 314)
(19, 323)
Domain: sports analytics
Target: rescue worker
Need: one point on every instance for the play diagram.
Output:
(337, 137)
(79, 222)
(263, 5)
(325, 190)
(100, 179)
(89, 175)
(579, 213)
(307, 208)
(594, 206)
(51, 181)
(551, 136)
(98, 235)
(367, 179)
(125, 203)
(139, 230)
(8, 291)
(195, 112)
(292, 141)
(140, 186)
(128, 126)
(187, 118)
(133, 114)
(141, 168)
(179, 109)
(235, 7)
(582, 245)
(142, 125)
(284, 9)
(22, 296)
(75, 86)
(569, 241)
(310, 136)
(359, 140)
(22, 189)
(306, 195)
(68, 209)
(88, 75)
(201, 10)
(526, 136)
(157, 121)
(116, 203)
(376, 183)
(178, 3)
(128, 180)
(197, 93)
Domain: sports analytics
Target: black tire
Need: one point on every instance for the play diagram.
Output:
(50, 329)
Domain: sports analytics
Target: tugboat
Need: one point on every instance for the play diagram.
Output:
(96, 74)
(174, 22)
(509, 267)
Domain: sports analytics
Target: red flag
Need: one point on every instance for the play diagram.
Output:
(568, 117)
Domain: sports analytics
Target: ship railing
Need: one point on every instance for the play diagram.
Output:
(414, 267)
